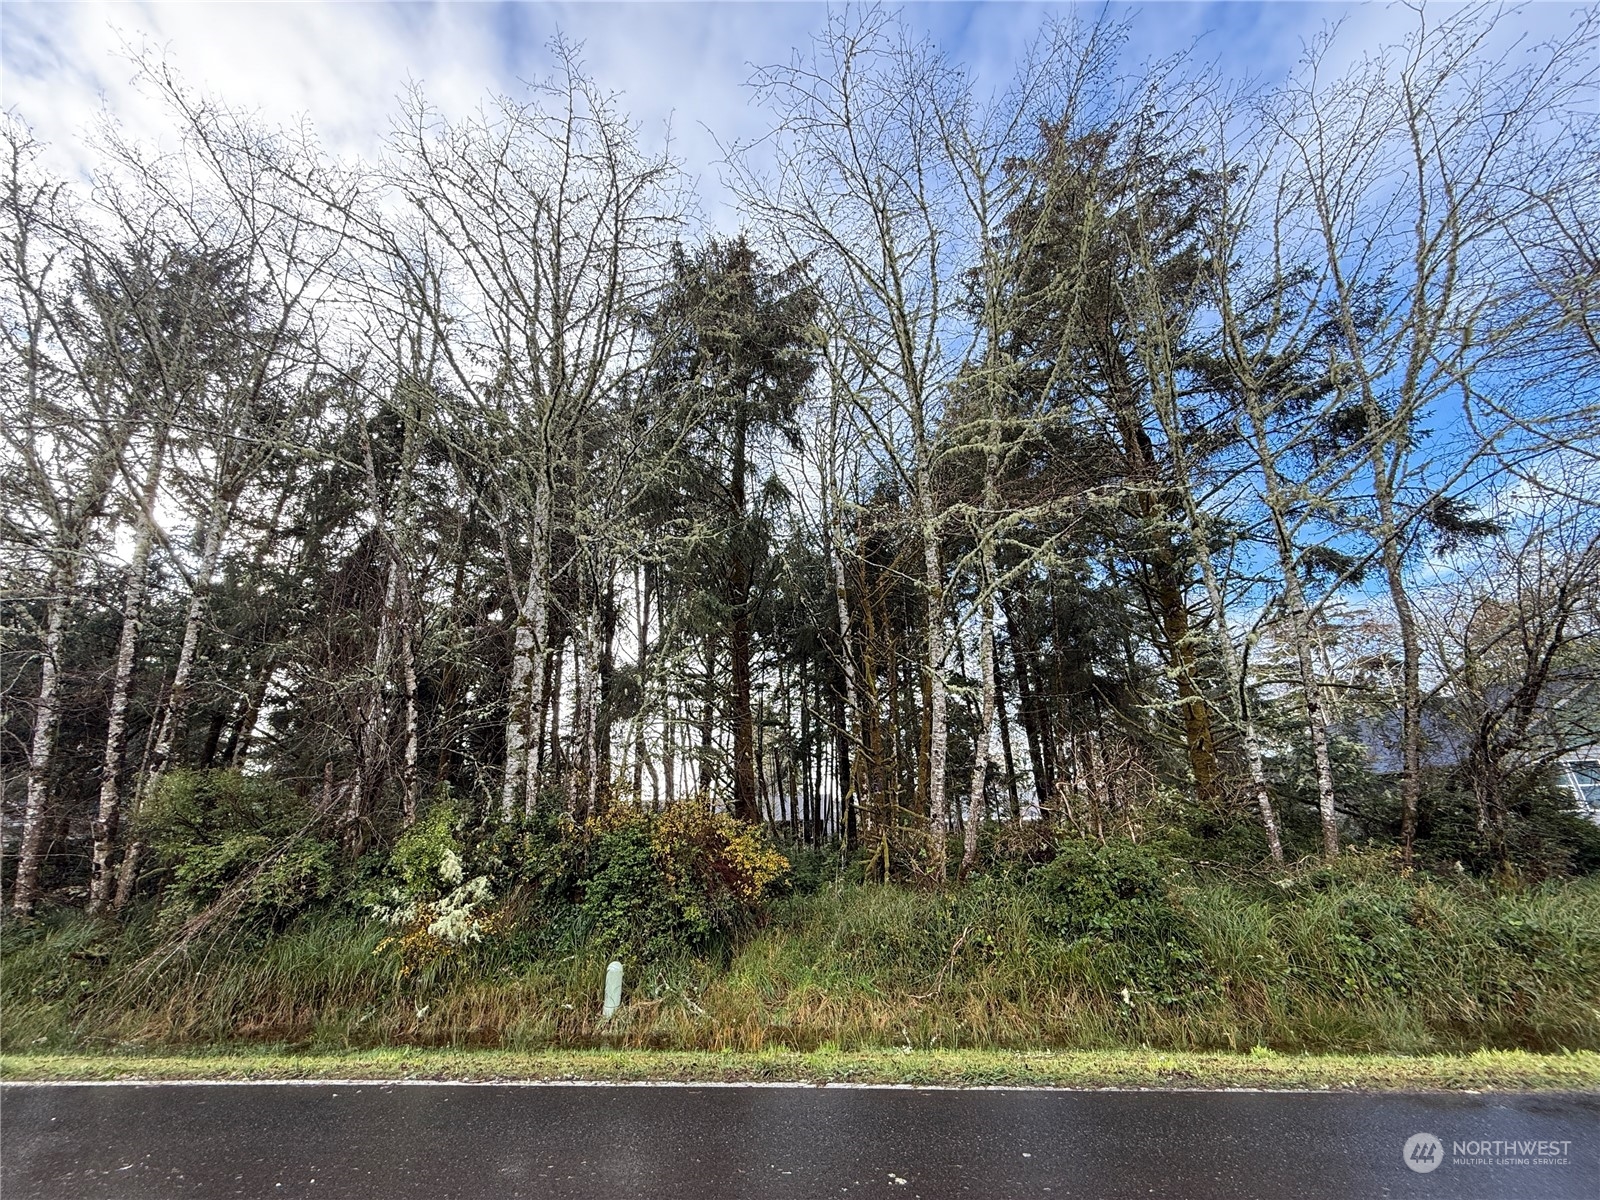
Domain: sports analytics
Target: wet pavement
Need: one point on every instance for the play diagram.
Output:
(476, 1141)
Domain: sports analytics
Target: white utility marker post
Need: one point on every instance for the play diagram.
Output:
(613, 998)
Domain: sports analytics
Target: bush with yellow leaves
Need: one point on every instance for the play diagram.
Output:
(722, 854)
(683, 879)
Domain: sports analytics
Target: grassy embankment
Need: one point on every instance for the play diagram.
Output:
(1310, 963)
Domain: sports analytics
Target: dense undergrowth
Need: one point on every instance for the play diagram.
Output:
(462, 940)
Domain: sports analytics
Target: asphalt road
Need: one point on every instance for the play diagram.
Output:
(476, 1141)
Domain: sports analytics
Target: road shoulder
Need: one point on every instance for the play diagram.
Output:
(1483, 1071)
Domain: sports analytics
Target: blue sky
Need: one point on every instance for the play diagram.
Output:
(684, 63)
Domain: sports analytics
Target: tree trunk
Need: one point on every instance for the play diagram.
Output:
(172, 721)
(642, 585)
(1004, 722)
(244, 732)
(983, 739)
(1153, 503)
(1232, 670)
(1317, 719)
(669, 752)
(938, 732)
(1032, 723)
(851, 734)
(708, 709)
(1234, 677)
(1278, 506)
(744, 777)
(1410, 654)
(1198, 736)
(101, 875)
(525, 700)
(739, 638)
(409, 781)
(373, 734)
(30, 856)
(586, 713)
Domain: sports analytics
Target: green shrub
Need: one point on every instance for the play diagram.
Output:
(1006, 847)
(280, 879)
(421, 851)
(438, 906)
(1545, 836)
(1115, 902)
(1233, 837)
(627, 904)
(812, 868)
(220, 836)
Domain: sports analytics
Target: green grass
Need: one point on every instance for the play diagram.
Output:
(1482, 1071)
(1353, 961)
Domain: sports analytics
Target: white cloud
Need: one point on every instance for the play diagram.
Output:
(342, 64)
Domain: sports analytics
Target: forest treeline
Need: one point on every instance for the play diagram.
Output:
(1116, 452)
